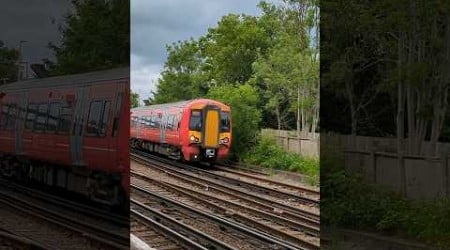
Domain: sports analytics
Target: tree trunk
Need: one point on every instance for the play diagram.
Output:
(400, 103)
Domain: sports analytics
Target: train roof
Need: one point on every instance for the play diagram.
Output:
(180, 104)
(70, 80)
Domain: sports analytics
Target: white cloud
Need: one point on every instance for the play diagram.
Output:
(143, 77)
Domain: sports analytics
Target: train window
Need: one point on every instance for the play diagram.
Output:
(11, 116)
(147, 120)
(196, 120)
(41, 119)
(94, 117)
(105, 117)
(157, 121)
(53, 116)
(224, 121)
(173, 123)
(3, 115)
(65, 119)
(31, 116)
(152, 121)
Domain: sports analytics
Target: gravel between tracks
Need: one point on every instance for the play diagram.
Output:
(44, 232)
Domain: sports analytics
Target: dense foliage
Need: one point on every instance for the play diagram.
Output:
(8, 64)
(245, 114)
(96, 36)
(350, 202)
(269, 154)
(134, 99)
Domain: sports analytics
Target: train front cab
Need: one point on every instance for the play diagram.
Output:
(209, 133)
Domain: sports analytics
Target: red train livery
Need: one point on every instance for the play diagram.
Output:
(194, 130)
(69, 131)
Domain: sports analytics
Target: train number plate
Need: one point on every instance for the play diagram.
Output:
(210, 152)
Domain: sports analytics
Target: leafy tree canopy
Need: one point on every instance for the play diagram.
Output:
(8, 64)
(96, 36)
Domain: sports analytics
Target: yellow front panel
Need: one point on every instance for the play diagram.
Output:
(212, 128)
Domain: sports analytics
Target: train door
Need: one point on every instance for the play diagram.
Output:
(76, 136)
(162, 128)
(211, 127)
(22, 111)
(120, 124)
(97, 151)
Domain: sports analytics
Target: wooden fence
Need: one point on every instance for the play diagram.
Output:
(307, 145)
(416, 177)
(377, 159)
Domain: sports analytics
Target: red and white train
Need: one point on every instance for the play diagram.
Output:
(196, 130)
(69, 131)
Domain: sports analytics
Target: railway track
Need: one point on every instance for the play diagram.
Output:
(268, 173)
(302, 235)
(261, 178)
(227, 234)
(286, 229)
(279, 194)
(156, 235)
(93, 224)
(276, 205)
(10, 240)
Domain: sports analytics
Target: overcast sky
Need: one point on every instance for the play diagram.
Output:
(32, 21)
(155, 23)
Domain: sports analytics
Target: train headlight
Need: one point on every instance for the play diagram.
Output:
(194, 139)
(224, 140)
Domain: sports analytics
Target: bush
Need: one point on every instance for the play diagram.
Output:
(270, 155)
(348, 201)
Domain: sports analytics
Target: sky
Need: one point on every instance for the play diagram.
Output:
(155, 23)
(35, 22)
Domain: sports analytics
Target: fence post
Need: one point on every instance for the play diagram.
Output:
(287, 139)
(299, 146)
(374, 165)
(401, 160)
(445, 174)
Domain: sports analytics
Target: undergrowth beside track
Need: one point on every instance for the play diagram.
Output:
(267, 153)
(347, 201)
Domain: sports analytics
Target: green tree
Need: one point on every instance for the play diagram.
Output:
(231, 48)
(245, 114)
(134, 98)
(8, 64)
(182, 77)
(288, 73)
(96, 36)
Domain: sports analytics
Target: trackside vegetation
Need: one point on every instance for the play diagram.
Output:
(350, 202)
(268, 153)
